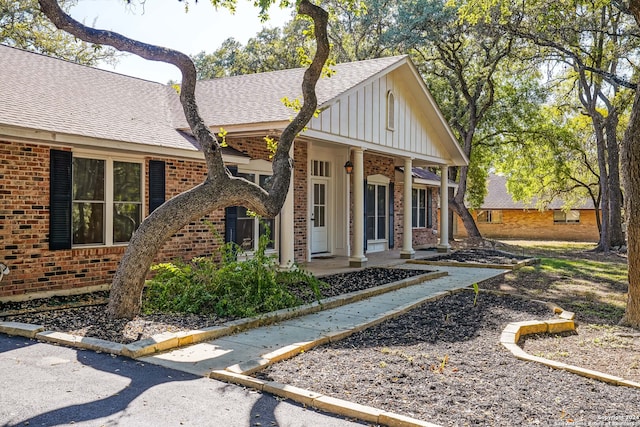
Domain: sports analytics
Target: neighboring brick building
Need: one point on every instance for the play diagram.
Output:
(86, 154)
(500, 217)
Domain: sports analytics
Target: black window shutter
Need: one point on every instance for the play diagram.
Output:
(429, 208)
(391, 197)
(364, 225)
(60, 199)
(157, 184)
(230, 216)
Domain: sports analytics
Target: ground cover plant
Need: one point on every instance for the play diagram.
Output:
(225, 286)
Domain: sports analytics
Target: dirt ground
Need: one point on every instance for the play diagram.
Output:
(443, 363)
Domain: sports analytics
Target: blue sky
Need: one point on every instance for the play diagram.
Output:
(165, 23)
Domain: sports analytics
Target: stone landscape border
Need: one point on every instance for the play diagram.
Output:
(241, 374)
(564, 323)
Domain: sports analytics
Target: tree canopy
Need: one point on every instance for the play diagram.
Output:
(22, 25)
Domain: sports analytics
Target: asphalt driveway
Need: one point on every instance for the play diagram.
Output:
(47, 385)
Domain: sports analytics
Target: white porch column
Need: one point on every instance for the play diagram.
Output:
(287, 252)
(443, 246)
(357, 258)
(407, 251)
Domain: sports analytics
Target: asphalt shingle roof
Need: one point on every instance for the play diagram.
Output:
(499, 198)
(49, 94)
(256, 98)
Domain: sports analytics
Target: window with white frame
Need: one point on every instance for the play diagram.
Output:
(568, 217)
(106, 200)
(248, 226)
(376, 211)
(421, 208)
(391, 110)
(490, 216)
(320, 168)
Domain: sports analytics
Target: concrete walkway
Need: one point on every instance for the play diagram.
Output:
(251, 350)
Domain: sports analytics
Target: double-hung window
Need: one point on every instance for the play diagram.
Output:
(106, 200)
(376, 212)
(490, 216)
(421, 206)
(248, 226)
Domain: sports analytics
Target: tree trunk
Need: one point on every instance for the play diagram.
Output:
(605, 237)
(631, 181)
(125, 297)
(457, 204)
(615, 194)
(219, 189)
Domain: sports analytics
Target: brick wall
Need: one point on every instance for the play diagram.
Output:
(301, 200)
(24, 230)
(420, 236)
(536, 225)
(24, 222)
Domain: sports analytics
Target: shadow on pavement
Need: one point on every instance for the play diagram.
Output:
(193, 399)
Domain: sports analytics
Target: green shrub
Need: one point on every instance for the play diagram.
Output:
(230, 288)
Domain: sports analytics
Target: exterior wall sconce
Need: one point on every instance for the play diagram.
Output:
(348, 167)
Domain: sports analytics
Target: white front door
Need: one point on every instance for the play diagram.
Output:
(319, 217)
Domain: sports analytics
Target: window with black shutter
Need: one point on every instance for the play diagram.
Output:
(60, 200)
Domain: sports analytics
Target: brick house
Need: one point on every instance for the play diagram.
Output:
(86, 154)
(502, 217)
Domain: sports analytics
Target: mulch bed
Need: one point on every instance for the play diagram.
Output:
(443, 363)
(481, 256)
(90, 320)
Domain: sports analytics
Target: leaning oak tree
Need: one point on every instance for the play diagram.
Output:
(219, 189)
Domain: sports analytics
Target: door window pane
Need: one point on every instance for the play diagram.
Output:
(422, 209)
(264, 223)
(244, 229)
(371, 212)
(414, 208)
(381, 212)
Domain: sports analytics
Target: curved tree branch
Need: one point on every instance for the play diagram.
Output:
(219, 189)
(282, 163)
(202, 133)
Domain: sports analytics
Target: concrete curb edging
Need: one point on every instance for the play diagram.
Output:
(170, 340)
(326, 403)
(252, 366)
(240, 374)
(512, 333)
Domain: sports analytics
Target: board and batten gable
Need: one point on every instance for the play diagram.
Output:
(360, 114)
